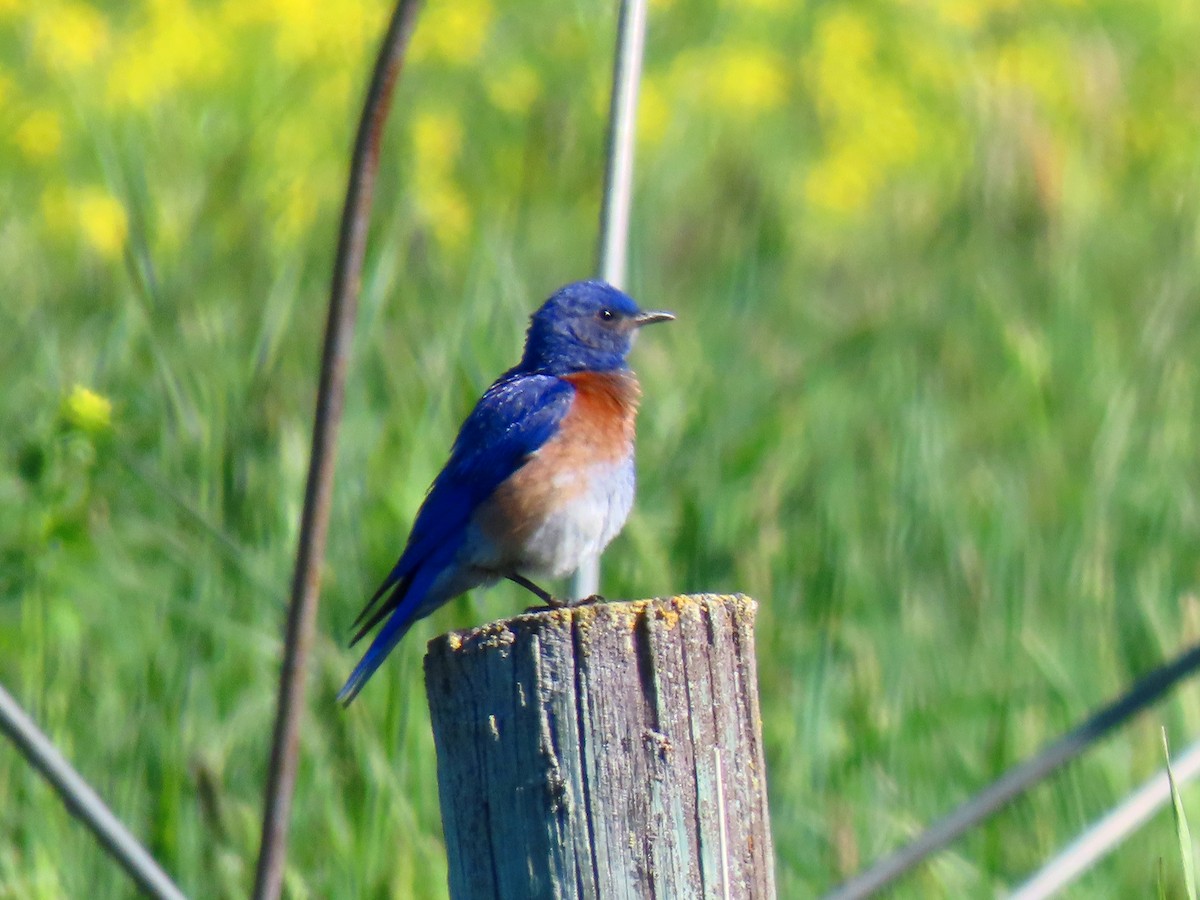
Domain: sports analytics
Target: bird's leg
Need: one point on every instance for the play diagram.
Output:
(538, 592)
(547, 598)
(576, 603)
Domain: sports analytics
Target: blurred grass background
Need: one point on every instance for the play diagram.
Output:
(931, 398)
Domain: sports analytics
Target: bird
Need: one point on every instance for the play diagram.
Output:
(540, 476)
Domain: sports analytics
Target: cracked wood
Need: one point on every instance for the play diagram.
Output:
(607, 752)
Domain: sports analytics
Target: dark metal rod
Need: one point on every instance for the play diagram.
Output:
(314, 520)
(1144, 692)
(83, 802)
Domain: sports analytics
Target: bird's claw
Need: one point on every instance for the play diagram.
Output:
(556, 603)
(587, 601)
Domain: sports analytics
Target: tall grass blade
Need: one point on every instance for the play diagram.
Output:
(1182, 832)
(1107, 834)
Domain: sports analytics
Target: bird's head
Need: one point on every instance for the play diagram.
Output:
(585, 326)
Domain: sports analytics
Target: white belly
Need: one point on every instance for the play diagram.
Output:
(583, 526)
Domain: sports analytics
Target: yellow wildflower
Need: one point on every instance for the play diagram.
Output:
(767, 5)
(1039, 66)
(739, 82)
(39, 137)
(453, 31)
(176, 48)
(841, 62)
(871, 122)
(965, 14)
(437, 140)
(353, 31)
(515, 88)
(294, 205)
(336, 94)
(88, 411)
(654, 112)
(842, 183)
(102, 221)
(746, 81)
(847, 36)
(70, 37)
(132, 83)
(305, 30)
(445, 211)
(889, 123)
(298, 25)
(934, 65)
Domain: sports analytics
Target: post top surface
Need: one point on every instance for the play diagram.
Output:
(602, 613)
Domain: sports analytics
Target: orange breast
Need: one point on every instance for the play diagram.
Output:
(600, 425)
(597, 433)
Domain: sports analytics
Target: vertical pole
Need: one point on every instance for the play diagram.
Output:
(618, 187)
(612, 750)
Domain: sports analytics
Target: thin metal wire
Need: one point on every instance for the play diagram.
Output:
(83, 802)
(1103, 837)
(314, 520)
(1145, 691)
(618, 188)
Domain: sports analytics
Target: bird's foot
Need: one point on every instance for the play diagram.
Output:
(543, 607)
(586, 601)
(555, 603)
(551, 605)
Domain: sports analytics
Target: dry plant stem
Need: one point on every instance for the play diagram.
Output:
(314, 524)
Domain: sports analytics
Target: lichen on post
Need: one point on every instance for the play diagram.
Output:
(605, 751)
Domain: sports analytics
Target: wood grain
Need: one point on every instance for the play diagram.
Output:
(608, 751)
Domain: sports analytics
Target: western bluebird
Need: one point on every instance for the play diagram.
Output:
(540, 476)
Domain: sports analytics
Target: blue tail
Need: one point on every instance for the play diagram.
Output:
(407, 600)
(389, 636)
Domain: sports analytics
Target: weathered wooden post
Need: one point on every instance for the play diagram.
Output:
(608, 751)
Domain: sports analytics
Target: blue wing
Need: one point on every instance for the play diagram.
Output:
(515, 417)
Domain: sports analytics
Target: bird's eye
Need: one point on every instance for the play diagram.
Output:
(606, 315)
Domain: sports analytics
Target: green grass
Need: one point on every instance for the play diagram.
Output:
(1183, 834)
(950, 446)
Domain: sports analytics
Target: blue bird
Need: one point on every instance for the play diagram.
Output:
(540, 477)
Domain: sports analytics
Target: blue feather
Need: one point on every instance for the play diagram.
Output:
(515, 417)
(403, 615)
(587, 326)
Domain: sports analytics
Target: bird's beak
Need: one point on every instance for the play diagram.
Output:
(652, 316)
